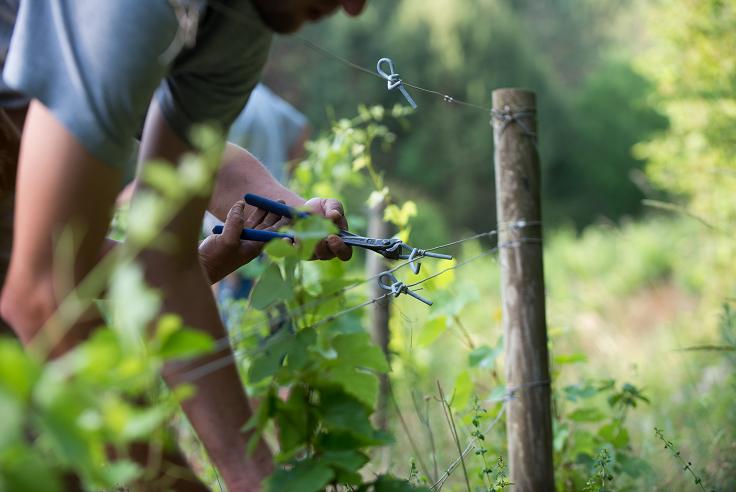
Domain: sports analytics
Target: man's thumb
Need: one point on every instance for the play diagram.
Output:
(234, 223)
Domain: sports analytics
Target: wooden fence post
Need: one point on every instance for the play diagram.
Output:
(529, 418)
(380, 313)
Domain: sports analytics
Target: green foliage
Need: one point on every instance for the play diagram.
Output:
(494, 477)
(64, 417)
(328, 364)
(592, 443)
(79, 406)
(693, 67)
(323, 425)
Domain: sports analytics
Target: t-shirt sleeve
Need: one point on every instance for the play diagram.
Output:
(70, 55)
(210, 83)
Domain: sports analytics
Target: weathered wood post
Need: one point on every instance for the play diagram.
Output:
(380, 313)
(529, 418)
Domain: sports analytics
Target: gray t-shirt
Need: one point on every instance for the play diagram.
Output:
(268, 127)
(97, 64)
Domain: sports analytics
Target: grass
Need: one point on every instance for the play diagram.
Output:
(628, 298)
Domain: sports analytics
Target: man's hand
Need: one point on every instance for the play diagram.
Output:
(224, 253)
(332, 246)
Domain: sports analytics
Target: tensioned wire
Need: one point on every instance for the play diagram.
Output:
(247, 20)
(228, 340)
(209, 367)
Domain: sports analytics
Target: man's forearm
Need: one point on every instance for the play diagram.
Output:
(241, 173)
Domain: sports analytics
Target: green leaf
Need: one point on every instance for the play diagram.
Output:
(587, 414)
(359, 350)
(162, 176)
(58, 422)
(186, 343)
(340, 412)
(271, 287)
(11, 422)
(18, 372)
(356, 355)
(347, 441)
(167, 325)
(484, 356)
(574, 392)
(431, 331)
(133, 304)
(259, 420)
(305, 476)
(348, 460)
(309, 231)
(583, 443)
(267, 361)
(299, 351)
(570, 359)
(143, 423)
(360, 384)
(281, 249)
(560, 437)
(615, 434)
(25, 470)
(120, 473)
(292, 419)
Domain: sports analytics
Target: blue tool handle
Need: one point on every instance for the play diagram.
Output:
(273, 206)
(256, 234)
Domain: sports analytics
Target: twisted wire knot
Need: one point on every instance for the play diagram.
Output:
(393, 80)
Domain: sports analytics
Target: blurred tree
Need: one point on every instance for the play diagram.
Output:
(693, 65)
(692, 61)
(466, 49)
(612, 114)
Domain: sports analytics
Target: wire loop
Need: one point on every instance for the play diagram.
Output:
(397, 287)
(393, 80)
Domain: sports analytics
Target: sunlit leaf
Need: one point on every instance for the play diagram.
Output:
(358, 350)
(142, 423)
(186, 343)
(133, 304)
(587, 414)
(280, 249)
(18, 372)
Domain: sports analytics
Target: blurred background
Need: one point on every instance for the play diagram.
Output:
(637, 137)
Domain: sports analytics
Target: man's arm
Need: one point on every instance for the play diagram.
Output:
(221, 254)
(241, 173)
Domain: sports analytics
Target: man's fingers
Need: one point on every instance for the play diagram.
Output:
(339, 248)
(234, 223)
(322, 251)
(255, 218)
(333, 210)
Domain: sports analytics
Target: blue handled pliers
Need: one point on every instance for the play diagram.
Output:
(393, 249)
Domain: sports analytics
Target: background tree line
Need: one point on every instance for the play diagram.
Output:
(578, 56)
